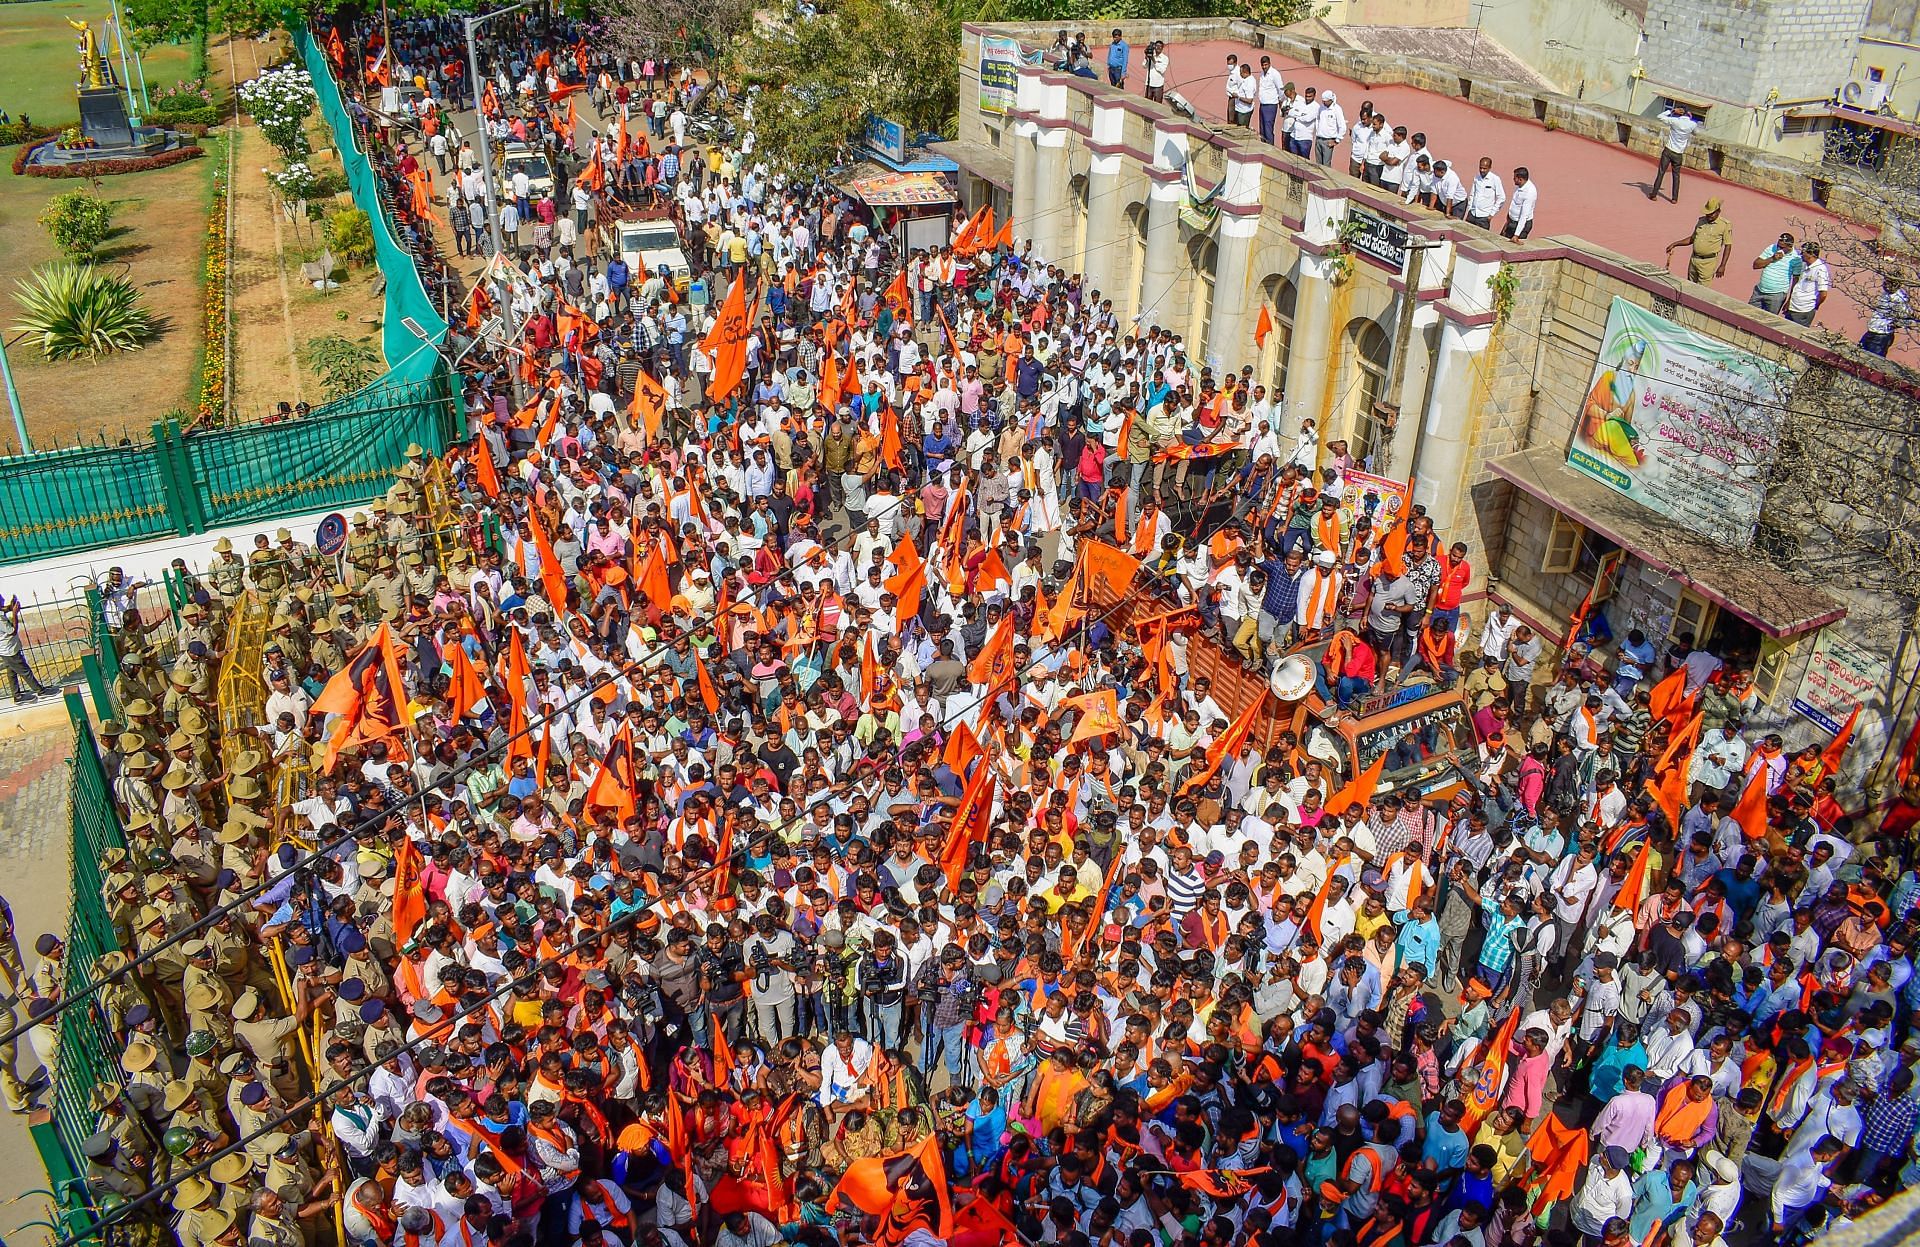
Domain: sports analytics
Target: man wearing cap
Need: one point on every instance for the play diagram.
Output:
(270, 1039)
(1708, 246)
(1606, 1193)
(228, 572)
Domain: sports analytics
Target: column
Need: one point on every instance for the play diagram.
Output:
(1449, 419)
(1161, 272)
(1052, 208)
(1025, 163)
(1231, 334)
(1313, 342)
(1105, 253)
(1413, 391)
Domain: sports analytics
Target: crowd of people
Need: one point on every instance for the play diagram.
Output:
(794, 806)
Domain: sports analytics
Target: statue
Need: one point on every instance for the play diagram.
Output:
(93, 70)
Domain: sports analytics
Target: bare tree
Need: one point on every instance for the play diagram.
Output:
(642, 28)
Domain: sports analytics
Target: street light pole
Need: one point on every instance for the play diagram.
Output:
(507, 316)
(13, 401)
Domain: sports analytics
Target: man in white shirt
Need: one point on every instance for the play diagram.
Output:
(1302, 123)
(1607, 1193)
(1802, 1184)
(1809, 289)
(1271, 86)
(1394, 158)
(1330, 127)
(1520, 208)
(1680, 123)
(1449, 192)
(1487, 195)
(1246, 90)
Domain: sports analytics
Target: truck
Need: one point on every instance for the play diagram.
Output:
(649, 241)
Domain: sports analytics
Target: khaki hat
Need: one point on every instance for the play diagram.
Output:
(273, 1141)
(180, 677)
(244, 1007)
(193, 720)
(182, 821)
(139, 1056)
(142, 820)
(195, 948)
(150, 915)
(460, 556)
(141, 761)
(243, 788)
(111, 961)
(231, 832)
(215, 1223)
(360, 519)
(416, 559)
(175, 779)
(230, 1168)
(131, 741)
(223, 546)
(415, 450)
(191, 1194)
(283, 534)
(139, 708)
(202, 997)
(176, 1094)
(179, 740)
(246, 762)
(110, 728)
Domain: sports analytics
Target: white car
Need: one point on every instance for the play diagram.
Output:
(648, 244)
(520, 158)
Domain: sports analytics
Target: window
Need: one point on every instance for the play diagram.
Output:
(1281, 297)
(1693, 613)
(1776, 656)
(1563, 546)
(1369, 387)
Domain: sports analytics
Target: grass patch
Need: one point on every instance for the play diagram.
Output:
(38, 61)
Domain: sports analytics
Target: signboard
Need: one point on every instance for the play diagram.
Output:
(1681, 423)
(999, 73)
(899, 190)
(1368, 497)
(331, 536)
(1840, 676)
(887, 138)
(1380, 238)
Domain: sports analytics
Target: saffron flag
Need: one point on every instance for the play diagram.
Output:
(1668, 696)
(336, 50)
(909, 581)
(1633, 889)
(1229, 744)
(1004, 238)
(897, 294)
(466, 694)
(970, 819)
(993, 665)
(652, 579)
(1263, 326)
(1558, 1157)
(615, 785)
(1836, 752)
(409, 892)
(518, 673)
(1107, 576)
(484, 470)
(1358, 790)
(1482, 1087)
(830, 384)
(1670, 790)
(726, 342)
(1220, 1183)
(709, 696)
(1099, 714)
(962, 748)
(649, 403)
(1750, 811)
(1680, 745)
(368, 695)
(553, 578)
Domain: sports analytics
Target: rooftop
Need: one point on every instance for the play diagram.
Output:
(1465, 46)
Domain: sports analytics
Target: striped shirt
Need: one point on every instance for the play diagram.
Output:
(1184, 891)
(1497, 951)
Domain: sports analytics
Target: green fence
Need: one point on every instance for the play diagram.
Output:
(89, 1056)
(63, 501)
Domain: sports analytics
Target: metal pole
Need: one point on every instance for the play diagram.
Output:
(13, 402)
(126, 76)
(507, 315)
(1403, 336)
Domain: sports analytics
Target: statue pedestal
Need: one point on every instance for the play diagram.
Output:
(103, 117)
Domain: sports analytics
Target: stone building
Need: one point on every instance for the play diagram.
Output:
(1483, 367)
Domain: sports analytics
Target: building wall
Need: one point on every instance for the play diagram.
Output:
(1097, 189)
(1588, 48)
(1397, 13)
(1740, 50)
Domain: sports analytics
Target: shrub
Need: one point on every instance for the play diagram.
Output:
(344, 365)
(79, 222)
(75, 310)
(350, 234)
(280, 101)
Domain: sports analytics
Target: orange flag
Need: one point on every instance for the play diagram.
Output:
(992, 571)
(1099, 714)
(466, 693)
(1559, 1156)
(953, 528)
(830, 391)
(723, 1061)
(483, 468)
(727, 343)
(890, 438)
(1750, 811)
(553, 579)
(409, 892)
(1229, 744)
(909, 581)
(1108, 575)
(869, 670)
(614, 786)
(1262, 326)
(897, 291)
(1004, 238)
(1670, 790)
(649, 404)
(970, 820)
(368, 695)
(1681, 745)
(708, 694)
(1666, 698)
(1831, 757)
(1359, 790)
(964, 236)
(993, 665)
(1633, 889)
(1489, 1076)
(519, 745)
(962, 748)
(653, 579)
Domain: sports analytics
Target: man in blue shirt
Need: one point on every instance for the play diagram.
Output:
(617, 277)
(1117, 53)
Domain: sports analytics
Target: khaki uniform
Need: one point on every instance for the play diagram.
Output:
(272, 1042)
(229, 577)
(1710, 238)
(364, 548)
(269, 570)
(387, 595)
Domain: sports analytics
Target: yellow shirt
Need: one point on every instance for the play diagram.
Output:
(1056, 902)
(1508, 1148)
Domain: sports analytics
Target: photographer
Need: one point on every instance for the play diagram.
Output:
(946, 997)
(771, 958)
(722, 973)
(883, 984)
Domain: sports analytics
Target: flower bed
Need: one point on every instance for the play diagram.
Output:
(101, 168)
(212, 408)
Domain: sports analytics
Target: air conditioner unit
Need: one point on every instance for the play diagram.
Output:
(1867, 93)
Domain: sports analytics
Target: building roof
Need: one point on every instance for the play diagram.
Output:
(1467, 47)
(1740, 581)
(1588, 189)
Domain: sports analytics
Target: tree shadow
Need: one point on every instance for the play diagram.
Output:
(123, 254)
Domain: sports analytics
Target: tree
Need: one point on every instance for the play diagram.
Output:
(822, 76)
(79, 222)
(641, 28)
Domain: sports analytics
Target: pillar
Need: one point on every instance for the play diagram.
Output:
(1025, 162)
(1313, 344)
(1052, 206)
(1104, 256)
(1413, 392)
(1161, 273)
(1230, 337)
(1449, 424)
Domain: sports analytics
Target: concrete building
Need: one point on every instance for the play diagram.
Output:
(1487, 369)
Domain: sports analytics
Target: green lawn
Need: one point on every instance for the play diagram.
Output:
(39, 61)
